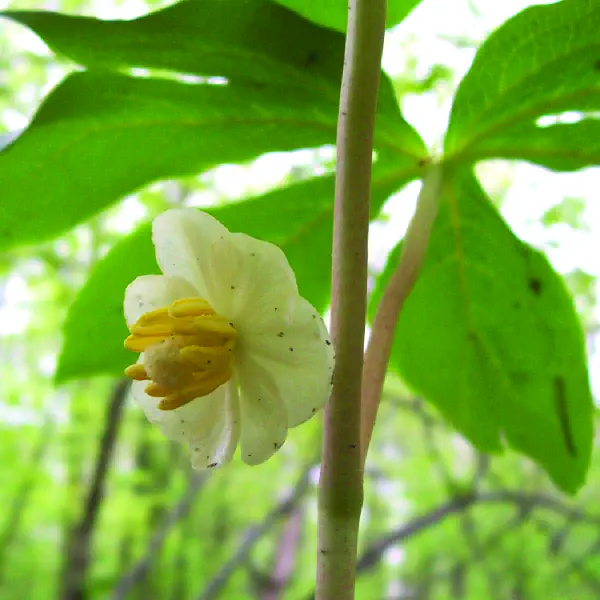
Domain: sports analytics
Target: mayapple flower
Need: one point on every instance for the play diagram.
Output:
(229, 351)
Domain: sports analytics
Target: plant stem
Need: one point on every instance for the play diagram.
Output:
(399, 287)
(340, 490)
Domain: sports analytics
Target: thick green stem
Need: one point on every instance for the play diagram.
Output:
(405, 276)
(340, 490)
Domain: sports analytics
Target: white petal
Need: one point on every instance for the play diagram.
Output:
(210, 425)
(263, 415)
(182, 239)
(216, 447)
(254, 282)
(299, 358)
(150, 292)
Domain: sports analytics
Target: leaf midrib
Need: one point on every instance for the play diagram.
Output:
(330, 128)
(472, 330)
(462, 153)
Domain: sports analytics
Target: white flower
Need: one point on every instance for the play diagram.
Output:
(229, 350)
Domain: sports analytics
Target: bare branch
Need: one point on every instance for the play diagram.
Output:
(77, 560)
(373, 554)
(20, 502)
(178, 512)
(285, 556)
(253, 534)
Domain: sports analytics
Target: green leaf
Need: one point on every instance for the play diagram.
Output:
(490, 336)
(298, 218)
(95, 320)
(539, 65)
(100, 136)
(334, 13)
(242, 40)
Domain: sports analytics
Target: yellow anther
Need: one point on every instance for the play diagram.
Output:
(138, 343)
(137, 372)
(152, 329)
(203, 357)
(154, 316)
(156, 390)
(190, 307)
(204, 384)
(201, 325)
(188, 351)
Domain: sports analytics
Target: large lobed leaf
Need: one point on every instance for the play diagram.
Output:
(542, 63)
(490, 336)
(242, 40)
(101, 135)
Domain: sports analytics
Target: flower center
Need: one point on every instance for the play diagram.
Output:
(188, 351)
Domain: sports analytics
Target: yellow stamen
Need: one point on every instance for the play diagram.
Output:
(153, 316)
(156, 390)
(190, 307)
(205, 384)
(202, 357)
(139, 343)
(153, 329)
(137, 372)
(188, 351)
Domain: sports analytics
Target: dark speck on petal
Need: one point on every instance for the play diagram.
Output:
(328, 342)
(212, 465)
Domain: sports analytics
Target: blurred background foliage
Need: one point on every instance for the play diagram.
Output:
(96, 504)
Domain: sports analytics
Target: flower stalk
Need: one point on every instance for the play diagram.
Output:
(399, 287)
(340, 490)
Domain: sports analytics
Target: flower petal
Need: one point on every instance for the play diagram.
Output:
(263, 415)
(216, 447)
(150, 292)
(210, 425)
(299, 358)
(254, 282)
(182, 238)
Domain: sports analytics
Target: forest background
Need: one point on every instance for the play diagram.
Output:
(96, 504)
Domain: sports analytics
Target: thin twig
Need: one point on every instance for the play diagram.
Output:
(285, 556)
(77, 561)
(80, 538)
(22, 497)
(253, 534)
(375, 551)
(172, 518)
